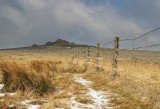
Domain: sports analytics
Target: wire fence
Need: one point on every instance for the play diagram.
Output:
(137, 68)
(122, 58)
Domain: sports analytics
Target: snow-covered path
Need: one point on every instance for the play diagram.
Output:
(99, 98)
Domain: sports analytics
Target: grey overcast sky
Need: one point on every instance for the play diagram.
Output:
(25, 22)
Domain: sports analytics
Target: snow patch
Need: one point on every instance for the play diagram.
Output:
(30, 106)
(77, 105)
(99, 98)
(11, 106)
(82, 81)
(11, 94)
(1, 86)
(33, 106)
(3, 94)
(25, 102)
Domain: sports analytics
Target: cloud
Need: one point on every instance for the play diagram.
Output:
(37, 21)
(36, 4)
(13, 15)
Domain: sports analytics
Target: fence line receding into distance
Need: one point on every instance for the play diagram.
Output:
(116, 53)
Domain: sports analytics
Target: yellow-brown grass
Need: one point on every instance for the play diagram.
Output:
(18, 77)
(3, 105)
(43, 77)
(137, 83)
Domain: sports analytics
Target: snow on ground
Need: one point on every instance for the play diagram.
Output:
(99, 98)
(77, 105)
(30, 106)
(11, 106)
(33, 106)
(3, 94)
(82, 81)
(1, 86)
(25, 102)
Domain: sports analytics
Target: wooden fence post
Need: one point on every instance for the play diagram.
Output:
(77, 55)
(97, 57)
(85, 58)
(115, 57)
(88, 54)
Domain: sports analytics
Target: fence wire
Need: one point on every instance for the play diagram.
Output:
(139, 65)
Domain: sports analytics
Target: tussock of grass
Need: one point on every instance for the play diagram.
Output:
(41, 78)
(40, 66)
(71, 68)
(18, 77)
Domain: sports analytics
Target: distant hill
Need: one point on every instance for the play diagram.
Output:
(64, 43)
(57, 43)
(60, 42)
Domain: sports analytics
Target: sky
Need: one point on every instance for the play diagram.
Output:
(27, 22)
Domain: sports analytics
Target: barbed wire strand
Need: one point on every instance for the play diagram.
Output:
(146, 33)
(148, 46)
(108, 43)
(129, 39)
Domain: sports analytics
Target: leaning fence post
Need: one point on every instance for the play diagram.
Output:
(115, 57)
(97, 57)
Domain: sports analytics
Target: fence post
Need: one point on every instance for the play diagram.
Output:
(77, 55)
(97, 57)
(88, 54)
(115, 57)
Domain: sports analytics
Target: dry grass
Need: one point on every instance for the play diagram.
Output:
(3, 105)
(18, 77)
(83, 99)
(137, 86)
(126, 97)
(57, 103)
(16, 99)
(53, 80)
